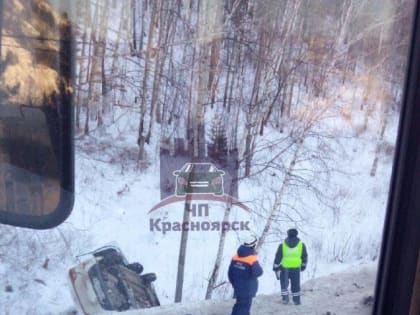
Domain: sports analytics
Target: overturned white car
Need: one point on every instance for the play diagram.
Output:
(105, 281)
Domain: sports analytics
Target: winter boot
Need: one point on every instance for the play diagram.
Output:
(285, 299)
(296, 300)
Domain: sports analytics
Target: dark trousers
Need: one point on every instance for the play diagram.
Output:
(292, 274)
(242, 306)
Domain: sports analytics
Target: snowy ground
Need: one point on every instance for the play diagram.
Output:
(344, 293)
(111, 207)
(113, 200)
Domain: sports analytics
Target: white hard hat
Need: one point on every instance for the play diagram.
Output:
(249, 240)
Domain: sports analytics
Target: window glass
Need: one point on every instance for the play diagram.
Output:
(35, 93)
(287, 111)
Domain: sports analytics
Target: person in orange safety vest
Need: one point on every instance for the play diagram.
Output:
(243, 272)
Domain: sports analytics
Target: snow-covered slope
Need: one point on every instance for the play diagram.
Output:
(344, 293)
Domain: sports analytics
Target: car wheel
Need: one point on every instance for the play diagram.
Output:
(136, 267)
(148, 277)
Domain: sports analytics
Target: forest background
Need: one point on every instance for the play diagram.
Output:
(306, 95)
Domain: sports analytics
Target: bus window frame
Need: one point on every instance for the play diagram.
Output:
(65, 131)
(401, 233)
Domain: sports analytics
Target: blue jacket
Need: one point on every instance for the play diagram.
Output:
(243, 272)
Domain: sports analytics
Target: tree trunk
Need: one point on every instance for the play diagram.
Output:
(142, 25)
(199, 97)
(384, 123)
(114, 66)
(81, 76)
(253, 103)
(141, 139)
(184, 234)
(248, 154)
(219, 256)
(158, 69)
(214, 70)
(101, 77)
(90, 68)
(182, 253)
(134, 25)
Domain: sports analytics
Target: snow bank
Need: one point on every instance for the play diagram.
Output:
(344, 293)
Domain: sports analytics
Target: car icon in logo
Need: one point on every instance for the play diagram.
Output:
(199, 178)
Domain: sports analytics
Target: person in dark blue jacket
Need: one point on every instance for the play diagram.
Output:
(243, 272)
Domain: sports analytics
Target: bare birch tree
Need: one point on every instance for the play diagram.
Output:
(208, 28)
(149, 56)
(301, 164)
(92, 66)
